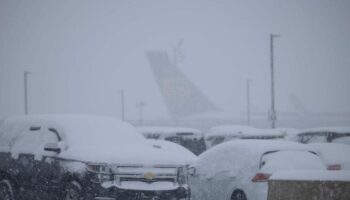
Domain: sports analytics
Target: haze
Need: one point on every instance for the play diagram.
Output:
(81, 54)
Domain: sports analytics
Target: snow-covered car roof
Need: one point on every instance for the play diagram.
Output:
(164, 131)
(242, 131)
(94, 139)
(232, 155)
(333, 153)
(78, 129)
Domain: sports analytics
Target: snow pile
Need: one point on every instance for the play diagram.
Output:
(316, 175)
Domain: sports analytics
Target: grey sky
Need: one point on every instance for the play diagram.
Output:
(82, 53)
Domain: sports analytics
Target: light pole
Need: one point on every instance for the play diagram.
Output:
(26, 73)
(141, 105)
(122, 104)
(272, 112)
(248, 101)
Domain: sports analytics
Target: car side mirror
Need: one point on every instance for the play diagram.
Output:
(191, 171)
(53, 147)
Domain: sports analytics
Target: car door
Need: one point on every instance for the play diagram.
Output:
(34, 171)
(48, 176)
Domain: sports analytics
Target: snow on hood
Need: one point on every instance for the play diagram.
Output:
(97, 139)
(240, 131)
(140, 154)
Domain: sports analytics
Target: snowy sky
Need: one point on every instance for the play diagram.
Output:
(82, 53)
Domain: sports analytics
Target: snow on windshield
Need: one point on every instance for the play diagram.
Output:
(290, 160)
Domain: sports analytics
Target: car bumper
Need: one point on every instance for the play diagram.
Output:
(98, 192)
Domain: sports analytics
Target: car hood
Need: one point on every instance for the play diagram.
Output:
(141, 154)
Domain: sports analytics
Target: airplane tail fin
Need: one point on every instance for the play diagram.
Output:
(181, 96)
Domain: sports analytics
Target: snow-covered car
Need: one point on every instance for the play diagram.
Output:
(190, 138)
(224, 133)
(322, 134)
(240, 169)
(290, 134)
(85, 157)
(342, 140)
(335, 156)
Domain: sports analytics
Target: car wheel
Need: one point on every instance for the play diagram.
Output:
(238, 195)
(6, 190)
(72, 191)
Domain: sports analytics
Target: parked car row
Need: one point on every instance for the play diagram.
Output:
(100, 158)
(240, 160)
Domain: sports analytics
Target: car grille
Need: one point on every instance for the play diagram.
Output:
(146, 174)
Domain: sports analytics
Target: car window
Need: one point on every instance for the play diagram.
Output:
(33, 141)
(290, 160)
(309, 138)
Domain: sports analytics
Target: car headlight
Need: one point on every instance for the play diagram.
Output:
(181, 175)
(99, 173)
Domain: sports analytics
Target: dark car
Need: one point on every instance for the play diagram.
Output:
(85, 157)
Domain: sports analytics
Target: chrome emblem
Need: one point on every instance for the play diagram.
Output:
(149, 176)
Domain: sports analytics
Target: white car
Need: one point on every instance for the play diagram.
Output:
(322, 134)
(240, 169)
(335, 156)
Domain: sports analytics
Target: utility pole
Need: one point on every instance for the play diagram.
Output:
(248, 102)
(141, 105)
(272, 112)
(26, 73)
(122, 104)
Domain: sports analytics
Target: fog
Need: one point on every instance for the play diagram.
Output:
(81, 54)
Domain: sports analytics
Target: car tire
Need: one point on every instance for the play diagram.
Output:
(238, 195)
(72, 191)
(6, 190)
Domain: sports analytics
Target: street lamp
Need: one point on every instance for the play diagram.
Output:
(272, 112)
(248, 101)
(122, 104)
(26, 73)
(141, 105)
